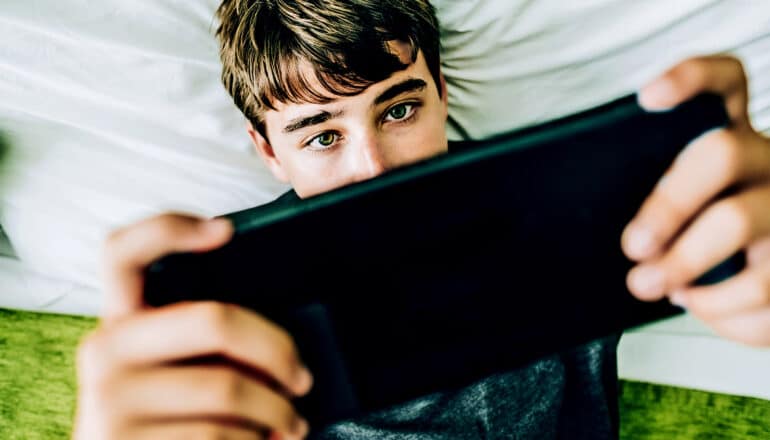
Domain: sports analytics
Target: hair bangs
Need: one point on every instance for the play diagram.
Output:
(300, 73)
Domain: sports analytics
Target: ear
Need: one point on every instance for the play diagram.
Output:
(266, 152)
(444, 96)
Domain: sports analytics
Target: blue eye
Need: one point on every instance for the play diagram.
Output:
(400, 112)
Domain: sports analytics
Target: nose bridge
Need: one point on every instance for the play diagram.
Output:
(372, 156)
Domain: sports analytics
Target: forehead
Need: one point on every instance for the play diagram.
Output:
(288, 110)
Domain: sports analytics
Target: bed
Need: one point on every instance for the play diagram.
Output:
(112, 111)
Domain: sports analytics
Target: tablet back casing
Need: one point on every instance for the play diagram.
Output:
(436, 275)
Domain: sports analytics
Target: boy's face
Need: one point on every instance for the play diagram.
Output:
(320, 147)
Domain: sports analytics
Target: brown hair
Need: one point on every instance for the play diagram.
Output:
(263, 44)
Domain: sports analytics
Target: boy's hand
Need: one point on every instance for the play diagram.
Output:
(137, 373)
(687, 225)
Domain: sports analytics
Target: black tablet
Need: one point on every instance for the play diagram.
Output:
(435, 275)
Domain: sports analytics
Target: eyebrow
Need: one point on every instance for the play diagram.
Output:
(307, 121)
(406, 86)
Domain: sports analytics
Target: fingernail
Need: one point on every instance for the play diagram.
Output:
(217, 226)
(300, 427)
(641, 242)
(647, 281)
(657, 95)
(678, 298)
(303, 379)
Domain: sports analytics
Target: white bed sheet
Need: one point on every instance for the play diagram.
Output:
(683, 352)
(24, 289)
(550, 57)
(6, 250)
(114, 111)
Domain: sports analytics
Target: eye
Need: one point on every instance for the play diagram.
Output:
(400, 112)
(323, 141)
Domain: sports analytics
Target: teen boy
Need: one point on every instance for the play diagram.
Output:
(340, 91)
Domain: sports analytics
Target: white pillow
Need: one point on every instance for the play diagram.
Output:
(529, 61)
(26, 289)
(114, 111)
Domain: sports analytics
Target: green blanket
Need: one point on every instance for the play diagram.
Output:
(37, 391)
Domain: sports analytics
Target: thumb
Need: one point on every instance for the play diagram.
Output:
(719, 74)
(129, 250)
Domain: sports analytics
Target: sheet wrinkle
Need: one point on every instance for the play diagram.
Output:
(48, 304)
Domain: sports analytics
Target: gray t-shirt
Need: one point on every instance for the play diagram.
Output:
(571, 395)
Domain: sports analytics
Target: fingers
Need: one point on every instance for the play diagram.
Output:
(191, 430)
(710, 165)
(737, 308)
(758, 252)
(206, 393)
(751, 328)
(688, 224)
(130, 250)
(189, 330)
(135, 376)
(720, 231)
(723, 75)
(745, 292)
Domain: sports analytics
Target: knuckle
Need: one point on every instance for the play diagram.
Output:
(175, 224)
(735, 61)
(211, 432)
(112, 238)
(227, 389)
(733, 215)
(94, 372)
(285, 347)
(87, 348)
(745, 331)
(165, 225)
(761, 287)
(702, 309)
(112, 243)
(684, 262)
(216, 317)
(287, 416)
(90, 353)
(687, 263)
(670, 207)
(691, 70)
(281, 355)
(279, 414)
(727, 153)
(157, 227)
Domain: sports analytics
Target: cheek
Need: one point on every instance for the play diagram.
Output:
(424, 141)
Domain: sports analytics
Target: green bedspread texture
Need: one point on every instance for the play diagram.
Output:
(37, 391)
